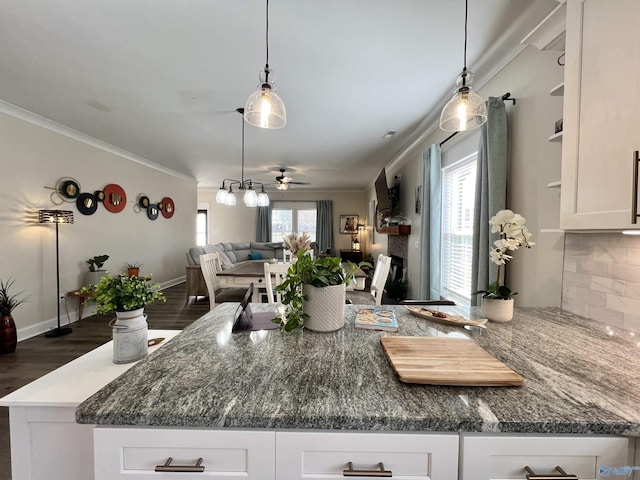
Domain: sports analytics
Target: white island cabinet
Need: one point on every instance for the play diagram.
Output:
(601, 99)
(46, 441)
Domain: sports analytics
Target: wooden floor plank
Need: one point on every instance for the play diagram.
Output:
(38, 356)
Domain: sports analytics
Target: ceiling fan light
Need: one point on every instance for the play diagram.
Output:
(265, 109)
(263, 199)
(282, 186)
(466, 110)
(250, 197)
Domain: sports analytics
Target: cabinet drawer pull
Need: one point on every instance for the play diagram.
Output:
(634, 194)
(167, 467)
(381, 472)
(531, 475)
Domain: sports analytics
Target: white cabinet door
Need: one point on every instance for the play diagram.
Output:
(601, 107)
(492, 457)
(326, 455)
(134, 453)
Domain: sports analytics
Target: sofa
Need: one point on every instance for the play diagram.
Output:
(232, 253)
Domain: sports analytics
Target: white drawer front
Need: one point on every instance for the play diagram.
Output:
(325, 455)
(134, 453)
(504, 457)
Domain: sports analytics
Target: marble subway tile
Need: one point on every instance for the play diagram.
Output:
(608, 285)
(569, 292)
(607, 316)
(633, 256)
(632, 290)
(623, 304)
(590, 297)
(571, 239)
(632, 322)
(579, 252)
(570, 264)
(573, 306)
(624, 272)
(592, 267)
(610, 254)
(577, 279)
(598, 239)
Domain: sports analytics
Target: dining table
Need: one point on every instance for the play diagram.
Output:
(242, 274)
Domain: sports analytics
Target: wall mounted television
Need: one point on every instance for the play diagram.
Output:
(388, 198)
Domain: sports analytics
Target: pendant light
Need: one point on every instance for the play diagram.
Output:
(466, 109)
(250, 198)
(264, 108)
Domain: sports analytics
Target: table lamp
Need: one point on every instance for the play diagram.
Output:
(57, 217)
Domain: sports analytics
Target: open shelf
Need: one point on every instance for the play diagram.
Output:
(557, 184)
(557, 91)
(556, 137)
(395, 230)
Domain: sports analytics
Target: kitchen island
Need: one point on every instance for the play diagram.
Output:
(581, 378)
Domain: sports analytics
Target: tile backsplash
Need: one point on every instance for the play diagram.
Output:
(601, 278)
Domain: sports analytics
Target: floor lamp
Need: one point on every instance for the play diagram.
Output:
(57, 217)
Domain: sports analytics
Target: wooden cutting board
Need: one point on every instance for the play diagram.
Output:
(446, 361)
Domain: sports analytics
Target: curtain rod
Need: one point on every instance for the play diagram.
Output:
(505, 98)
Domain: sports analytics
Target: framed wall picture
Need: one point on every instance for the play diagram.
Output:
(419, 199)
(348, 224)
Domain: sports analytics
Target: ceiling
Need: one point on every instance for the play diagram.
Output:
(162, 78)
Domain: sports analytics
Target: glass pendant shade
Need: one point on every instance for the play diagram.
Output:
(263, 199)
(231, 198)
(250, 197)
(465, 111)
(221, 196)
(264, 108)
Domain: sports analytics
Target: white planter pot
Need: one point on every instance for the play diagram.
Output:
(93, 278)
(497, 309)
(325, 307)
(130, 336)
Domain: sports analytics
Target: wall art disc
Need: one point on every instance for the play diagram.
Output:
(152, 211)
(143, 201)
(114, 198)
(99, 194)
(68, 188)
(168, 207)
(87, 203)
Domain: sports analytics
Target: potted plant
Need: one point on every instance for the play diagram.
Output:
(497, 299)
(133, 269)
(95, 273)
(8, 302)
(313, 294)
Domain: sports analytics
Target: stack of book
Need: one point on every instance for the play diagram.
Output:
(376, 318)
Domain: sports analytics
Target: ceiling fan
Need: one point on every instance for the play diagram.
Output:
(283, 182)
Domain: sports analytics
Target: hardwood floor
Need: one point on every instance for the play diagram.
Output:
(38, 356)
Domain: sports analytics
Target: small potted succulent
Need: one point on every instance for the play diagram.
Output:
(8, 302)
(313, 294)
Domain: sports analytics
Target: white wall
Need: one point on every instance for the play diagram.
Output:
(537, 273)
(238, 224)
(34, 157)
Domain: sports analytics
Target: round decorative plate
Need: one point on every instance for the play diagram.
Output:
(152, 211)
(87, 203)
(167, 207)
(68, 188)
(99, 194)
(143, 201)
(114, 198)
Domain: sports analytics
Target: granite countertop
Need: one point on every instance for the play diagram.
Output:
(580, 377)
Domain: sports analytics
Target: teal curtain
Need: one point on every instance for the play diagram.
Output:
(430, 223)
(491, 192)
(324, 224)
(263, 224)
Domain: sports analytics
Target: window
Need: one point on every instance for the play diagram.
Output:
(293, 217)
(202, 235)
(458, 194)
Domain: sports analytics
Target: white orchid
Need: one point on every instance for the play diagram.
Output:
(513, 234)
(282, 313)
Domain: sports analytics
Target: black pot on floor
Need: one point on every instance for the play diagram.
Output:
(8, 335)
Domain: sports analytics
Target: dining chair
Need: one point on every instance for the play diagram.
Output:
(210, 265)
(380, 274)
(274, 275)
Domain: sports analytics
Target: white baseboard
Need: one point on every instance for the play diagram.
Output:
(88, 310)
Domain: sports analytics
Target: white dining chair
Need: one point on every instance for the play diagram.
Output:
(380, 274)
(210, 265)
(274, 275)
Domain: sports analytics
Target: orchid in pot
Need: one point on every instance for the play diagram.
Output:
(497, 301)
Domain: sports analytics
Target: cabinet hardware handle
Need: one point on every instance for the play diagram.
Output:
(167, 467)
(531, 475)
(634, 194)
(381, 472)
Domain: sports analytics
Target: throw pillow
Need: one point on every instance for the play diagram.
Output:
(225, 262)
(255, 256)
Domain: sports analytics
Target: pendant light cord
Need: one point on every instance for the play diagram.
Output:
(267, 37)
(242, 170)
(466, 14)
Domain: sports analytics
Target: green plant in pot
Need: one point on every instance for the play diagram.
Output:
(8, 302)
(313, 294)
(125, 294)
(95, 273)
(133, 269)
